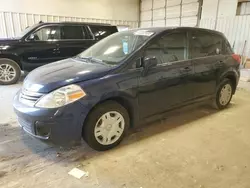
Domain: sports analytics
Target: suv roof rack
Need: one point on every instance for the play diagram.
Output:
(68, 22)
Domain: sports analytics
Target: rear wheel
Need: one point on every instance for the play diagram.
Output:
(10, 72)
(224, 94)
(106, 126)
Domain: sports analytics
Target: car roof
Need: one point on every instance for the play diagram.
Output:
(162, 29)
(75, 23)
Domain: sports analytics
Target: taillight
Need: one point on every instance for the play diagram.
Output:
(236, 58)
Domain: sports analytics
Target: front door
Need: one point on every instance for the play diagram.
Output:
(41, 47)
(74, 40)
(208, 61)
(168, 84)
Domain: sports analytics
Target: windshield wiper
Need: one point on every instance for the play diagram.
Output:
(79, 57)
(92, 59)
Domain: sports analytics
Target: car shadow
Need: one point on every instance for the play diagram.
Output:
(23, 76)
(173, 120)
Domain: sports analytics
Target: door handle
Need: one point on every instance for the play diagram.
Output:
(56, 51)
(219, 64)
(57, 48)
(185, 69)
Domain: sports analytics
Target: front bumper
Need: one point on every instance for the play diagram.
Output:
(60, 126)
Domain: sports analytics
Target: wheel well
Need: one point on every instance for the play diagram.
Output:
(13, 58)
(125, 103)
(233, 80)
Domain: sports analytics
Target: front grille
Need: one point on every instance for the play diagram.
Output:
(29, 98)
(26, 125)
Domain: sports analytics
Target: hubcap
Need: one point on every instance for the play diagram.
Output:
(109, 128)
(7, 72)
(225, 94)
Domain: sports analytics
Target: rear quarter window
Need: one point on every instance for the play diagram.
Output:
(101, 32)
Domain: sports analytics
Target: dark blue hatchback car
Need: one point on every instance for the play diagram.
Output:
(124, 80)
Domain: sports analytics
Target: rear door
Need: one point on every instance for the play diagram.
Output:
(74, 40)
(207, 58)
(102, 31)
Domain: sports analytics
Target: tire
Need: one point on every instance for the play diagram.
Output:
(100, 126)
(13, 73)
(220, 101)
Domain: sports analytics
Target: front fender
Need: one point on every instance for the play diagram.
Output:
(127, 100)
(121, 87)
(12, 56)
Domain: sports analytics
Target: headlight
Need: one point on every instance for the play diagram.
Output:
(4, 47)
(60, 97)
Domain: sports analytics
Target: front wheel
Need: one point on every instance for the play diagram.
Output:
(224, 94)
(10, 72)
(106, 125)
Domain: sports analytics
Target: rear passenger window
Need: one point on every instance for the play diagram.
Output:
(101, 32)
(205, 44)
(169, 48)
(73, 32)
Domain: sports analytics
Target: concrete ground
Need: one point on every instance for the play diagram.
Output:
(194, 148)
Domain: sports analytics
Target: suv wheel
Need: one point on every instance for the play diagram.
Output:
(224, 94)
(10, 72)
(106, 126)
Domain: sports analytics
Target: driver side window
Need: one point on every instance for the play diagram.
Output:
(47, 34)
(169, 48)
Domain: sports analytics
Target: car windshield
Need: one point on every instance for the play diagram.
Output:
(113, 49)
(25, 31)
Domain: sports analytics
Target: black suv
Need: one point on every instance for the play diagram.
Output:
(44, 43)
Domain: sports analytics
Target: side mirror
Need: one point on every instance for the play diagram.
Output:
(31, 37)
(217, 51)
(148, 63)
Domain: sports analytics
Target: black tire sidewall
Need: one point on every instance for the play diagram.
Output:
(222, 84)
(93, 117)
(15, 66)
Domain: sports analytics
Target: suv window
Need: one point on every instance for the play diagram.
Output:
(101, 32)
(73, 32)
(205, 44)
(47, 33)
(169, 48)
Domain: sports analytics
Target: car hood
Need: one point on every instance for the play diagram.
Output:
(55, 75)
(8, 41)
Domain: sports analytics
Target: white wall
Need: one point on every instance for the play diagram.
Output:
(102, 9)
(227, 8)
(236, 29)
(171, 13)
(209, 8)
